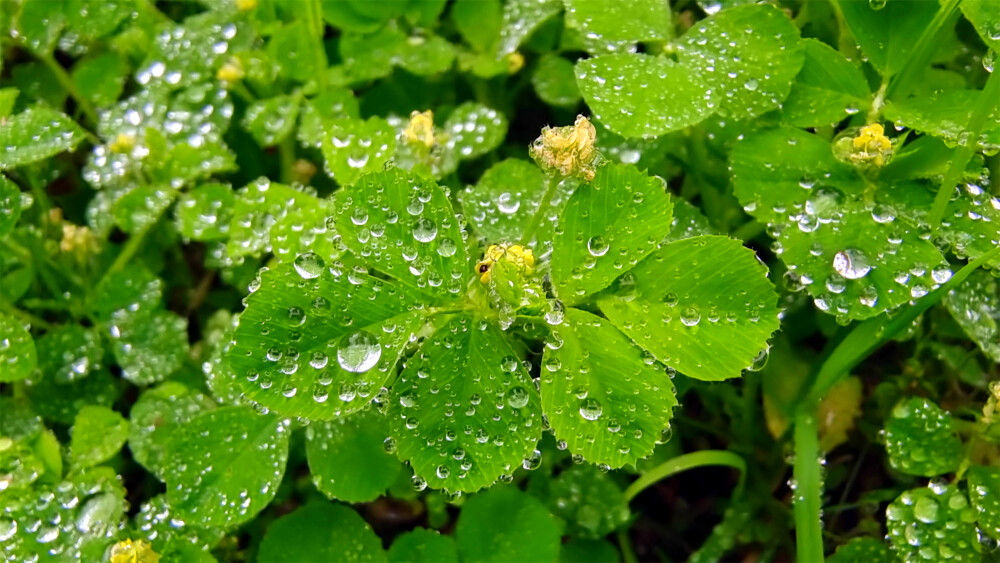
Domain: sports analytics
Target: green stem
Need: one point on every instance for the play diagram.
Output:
(24, 315)
(543, 207)
(902, 84)
(625, 544)
(314, 18)
(131, 247)
(808, 487)
(988, 100)
(689, 461)
(67, 83)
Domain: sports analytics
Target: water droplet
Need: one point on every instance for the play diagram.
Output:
(597, 246)
(518, 397)
(851, 263)
(309, 265)
(591, 409)
(359, 352)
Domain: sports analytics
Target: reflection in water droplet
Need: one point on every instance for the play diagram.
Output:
(597, 246)
(591, 409)
(851, 263)
(309, 265)
(359, 352)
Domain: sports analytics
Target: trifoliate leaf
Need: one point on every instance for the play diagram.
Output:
(920, 440)
(701, 305)
(359, 438)
(18, 356)
(403, 225)
(98, 433)
(505, 524)
(608, 226)
(321, 532)
(934, 523)
(318, 340)
(748, 56)
(464, 411)
(643, 96)
(604, 397)
(225, 465)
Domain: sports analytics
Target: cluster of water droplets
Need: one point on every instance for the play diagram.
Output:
(935, 523)
(462, 424)
(57, 521)
(420, 242)
(70, 353)
(919, 438)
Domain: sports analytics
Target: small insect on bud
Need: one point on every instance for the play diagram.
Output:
(567, 151)
(230, 72)
(523, 259)
(139, 551)
(871, 146)
(420, 129)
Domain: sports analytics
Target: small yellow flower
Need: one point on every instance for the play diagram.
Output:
(420, 129)
(79, 239)
(515, 62)
(246, 5)
(516, 254)
(231, 71)
(569, 151)
(122, 143)
(128, 551)
(871, 145)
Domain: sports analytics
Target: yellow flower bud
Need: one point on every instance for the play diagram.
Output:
(871, 145)
(246, 5)
(128, 551)
(515, 62)
(77, 239)
(521, 257)
(122, 143)
(568, 151)
(420, 129)
(231, 71)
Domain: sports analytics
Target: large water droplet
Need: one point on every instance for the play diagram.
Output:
(309, 265)
(851, 263)
(591, 409)
(597, 246)
(359, 352)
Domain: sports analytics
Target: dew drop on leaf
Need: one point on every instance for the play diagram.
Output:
(359, 352)
(851, 263)
(309, 265)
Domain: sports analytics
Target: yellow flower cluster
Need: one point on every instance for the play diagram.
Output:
(77, 238)
(122, 143)
(420, 129)
(871, 145)
(139, 551)
(568, 151)
(523, 258)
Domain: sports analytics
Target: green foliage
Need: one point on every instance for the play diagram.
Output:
(293, 255)
(920, 440)
(934, 522)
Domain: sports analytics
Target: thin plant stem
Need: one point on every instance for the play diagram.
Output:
(902, 84)
(625, 544)
(69, 85)
(314, 17)
(685, 462)
(808, 488)
(543, 207)
(24, 315)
